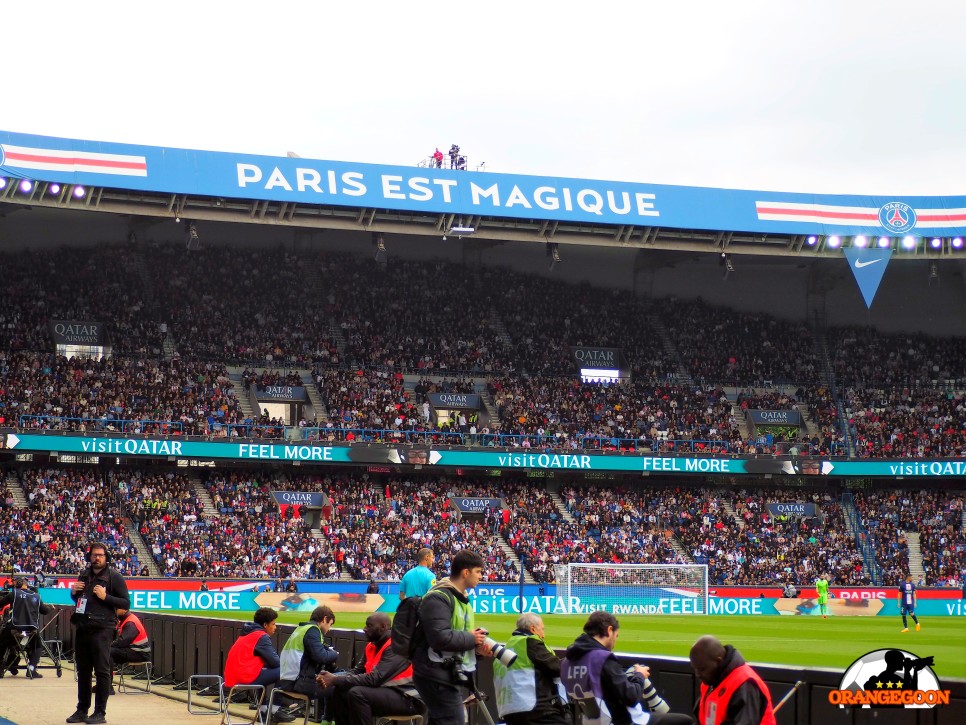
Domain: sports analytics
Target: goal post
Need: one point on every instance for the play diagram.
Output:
(633, 588)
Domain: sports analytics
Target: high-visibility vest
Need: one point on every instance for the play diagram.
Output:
(713, 705)
(243, 665)
(140, 643)
(374, 656)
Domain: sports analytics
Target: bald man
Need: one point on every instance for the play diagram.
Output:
(382, 685)
(728, 685)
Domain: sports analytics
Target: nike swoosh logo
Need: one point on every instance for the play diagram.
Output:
(860, 265)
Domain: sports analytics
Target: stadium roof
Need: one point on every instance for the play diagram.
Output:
(39, 171)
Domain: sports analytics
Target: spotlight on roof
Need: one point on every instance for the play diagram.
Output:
(935, 242)
(834, 241)
(26, 185)
(3, 183)
(860, 241)
(460, 229)
(54, 188)
(812, 241)
(79, 192)
(884, 242)
(908, 242)
(957, 242)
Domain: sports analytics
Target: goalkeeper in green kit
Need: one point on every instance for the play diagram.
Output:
(821, 585)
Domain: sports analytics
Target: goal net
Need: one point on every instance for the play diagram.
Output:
(633, 588)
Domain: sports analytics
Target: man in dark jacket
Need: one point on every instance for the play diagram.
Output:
(381, 685)
(745, 698)
(526, 691)
(306, 653)
(590, 669)
(447, 641)
(98, 593)
(252, 660)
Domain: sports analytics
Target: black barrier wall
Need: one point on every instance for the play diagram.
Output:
(183, 646)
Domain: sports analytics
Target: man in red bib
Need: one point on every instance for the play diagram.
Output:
(732, 693)
(382, 685)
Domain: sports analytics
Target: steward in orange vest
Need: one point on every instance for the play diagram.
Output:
(131, 640)
(382, 685)
(732, 693)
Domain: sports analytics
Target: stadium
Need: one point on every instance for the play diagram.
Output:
(269, 381)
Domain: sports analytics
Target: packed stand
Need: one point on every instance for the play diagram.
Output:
(871, 359)
(116, 394)
(68, 509)
(101, 284)
(907, 423)
(566, 413)
(725, 347)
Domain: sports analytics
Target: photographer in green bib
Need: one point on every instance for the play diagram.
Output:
(528, 692)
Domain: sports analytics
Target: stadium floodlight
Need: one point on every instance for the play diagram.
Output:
(633, 588)
(3, 183)
(936, 243)
(54, 188)
(834, 241)
(812, 241)
(884, 242)
(79, 192)
(957, 242)
(908, 242)
(26, 185)
(860, 241)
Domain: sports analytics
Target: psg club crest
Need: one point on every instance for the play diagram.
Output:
(897, 217)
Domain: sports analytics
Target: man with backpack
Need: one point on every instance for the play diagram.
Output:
(446, 642)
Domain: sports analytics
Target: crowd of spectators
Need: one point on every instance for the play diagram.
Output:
(907, 423)
(67, 510)
(872, 359)
(116, 394)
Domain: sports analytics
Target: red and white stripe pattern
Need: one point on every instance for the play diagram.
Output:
(786, 211)
(23, 157)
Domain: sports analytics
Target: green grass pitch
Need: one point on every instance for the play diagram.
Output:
(804, 641)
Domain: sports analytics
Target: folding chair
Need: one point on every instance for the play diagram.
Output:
(21, 640)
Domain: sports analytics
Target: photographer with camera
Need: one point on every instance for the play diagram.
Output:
(447, 641)
(591, 672)
(526, 689)
(25, 610)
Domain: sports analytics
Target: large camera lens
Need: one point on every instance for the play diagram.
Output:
(506, 656)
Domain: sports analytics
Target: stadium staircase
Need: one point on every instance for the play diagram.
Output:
(679, 550)
(142, 549)
(244, 399)
(493, 413)
(730, 510)
(321, 413)
(16, 491)
(682, 375)
(864, 541)
(511, 555)
(207, 504)
(335, 332)
(496, 324)
(915, 555)
(562, 507)
(821, 340)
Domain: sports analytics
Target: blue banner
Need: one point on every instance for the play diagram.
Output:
(550, 460)
(468, 193)
(287, 393)
(311, 499)
(775, 417)
(157, 601)
(868, 266)
(469, 505)
(454, 401)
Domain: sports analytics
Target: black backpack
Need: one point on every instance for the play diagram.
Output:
(406, 632)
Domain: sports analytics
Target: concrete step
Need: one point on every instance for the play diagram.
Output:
(142, 548)
(16, 491)
(207, 503)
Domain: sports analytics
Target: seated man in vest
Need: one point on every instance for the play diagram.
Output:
(526, 691)
(131, 641)
(591, 671)
(252, 660)
(382, 685)
(25, 608)
(746, 698)
(305, 654)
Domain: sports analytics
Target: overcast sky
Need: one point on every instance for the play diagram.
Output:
(836, 96)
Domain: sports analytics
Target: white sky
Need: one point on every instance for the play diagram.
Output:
(836, 96)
